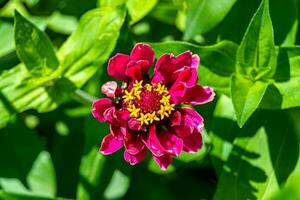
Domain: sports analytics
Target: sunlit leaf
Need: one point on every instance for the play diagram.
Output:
(91, 44)
(34, 47)
(256, 56)
(138, 9)
(203, 15)
(246, 96)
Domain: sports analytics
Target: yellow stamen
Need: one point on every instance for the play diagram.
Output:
(148, 87)
(134, 112)
(144, 119)
(152, 116)
(128, 96)
(165, 99)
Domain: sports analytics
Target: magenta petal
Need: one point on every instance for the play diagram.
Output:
(137, 70)
(190, 121)
(181, 93)
(135, 125)
(192, 143)
(195, 62)
(117, 66)
(177, 92)
(175, 118)
(110, 145)
(133, 143)
(163, 161)
(134, 159)
(142, 52)
(99, 108)
(184, 59)
(188, 76)
(171, 143)
(111, 89)
(198, 95)
(117, 131)
(152, 142)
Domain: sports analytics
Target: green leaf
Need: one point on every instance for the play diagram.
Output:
(223, 132)
(284, 92)
(7, 41)
(246, 96)
(203, 15)
(34, 47)
(41, 178)
(118, 186)
(256, 56)
(25, 163)
(91, 44)
(138, 9)
(24, 92)
(60, 23)
(261, 160)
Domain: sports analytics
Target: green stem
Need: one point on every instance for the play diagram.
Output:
(84, 97)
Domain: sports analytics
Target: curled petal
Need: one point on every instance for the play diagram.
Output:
(135, 125)
(111, 89)
(168, 67)
(153, 143)
(110, 145)
(99, 108)
(193, 142)
(117, 131)
(181, 93)
(142, 52)
(163, 161)
(190, 121)
(138, 70)
(133, 143)
(117, 66)
(171, 143)
(116, 117)
(134, 159)
(175, 118)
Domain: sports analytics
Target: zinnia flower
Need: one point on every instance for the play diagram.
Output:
(146, 113)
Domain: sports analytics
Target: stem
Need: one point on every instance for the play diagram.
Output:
(83, 97)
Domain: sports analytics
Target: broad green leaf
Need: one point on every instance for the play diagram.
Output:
(25, 92)
(138, 9)
(203, 15)
(91, 44)
(25, 170)
(41, 178)
(165, 11)
(118, 186)
(5, 112)
(60, 23)
(7, 39)
(284, 92)
(110, 3)
(246, 96)
(34, 47)
(256, 56)
(283, 14)
(261, 160)
(223, 132)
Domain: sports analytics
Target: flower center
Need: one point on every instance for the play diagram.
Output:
(148, 102)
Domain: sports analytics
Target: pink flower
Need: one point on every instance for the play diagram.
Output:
(145, 114)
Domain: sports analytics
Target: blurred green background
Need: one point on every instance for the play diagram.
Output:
(53, 59)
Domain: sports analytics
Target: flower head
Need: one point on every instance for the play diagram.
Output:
(147, 114)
